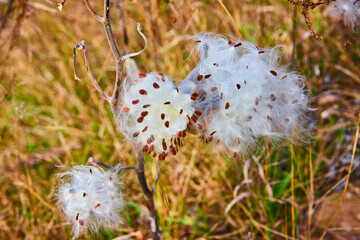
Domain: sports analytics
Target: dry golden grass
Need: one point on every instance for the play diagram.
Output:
(48, 119)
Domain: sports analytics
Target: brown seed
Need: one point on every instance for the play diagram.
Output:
(249, 118)
(221, 95)
(272, 97)
(207, 76)
(145, 148)
(135, 101)
(194, 96)
(284, 77)
(161, 74)
(146, 105)
(295, 101)
(142, 75)
(235, 155)
(254, 109)
(269, 118)
(140, 120)
(238, 45)
(194, 118)
(145, 129)
(244, 81)
(154, 155)
(151, 139)
(162, 156)
(126, 109)
(143, 92)
(162, 116)
(200, 127)
(273, 73)
(181, 111)
(230, 42)
(81, 222)
(209, 139)
(180, 134)
(270, 106)
(77, 216)
(211, 134)
(172, 150)
(261, 52)
(90, 171)
(152, 148)
(167, 103)
(136, 134)
(227, 105)
(184, 133)
(199, 113)
(84, 194)
(97, 205)
(145, 113)
(215, 64)
(167, 124)
(164, 145)
(257, 101)
(163, 78)
(287, 120)
(238, 86)
(247, 67)
(200, 77)
(155, 85)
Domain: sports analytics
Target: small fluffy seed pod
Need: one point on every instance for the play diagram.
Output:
(347, 11)
(155, 114)
(243, 92)
(90, 198)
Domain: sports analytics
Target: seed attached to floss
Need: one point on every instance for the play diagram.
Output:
(162, 116)
(143, 92)
(142, 75)
(135, 101)
(207, 76)
(155, 85)
(273, 73)
(238, 45)
(238, 86)
(167, 124)
(200, 77)
(227, 105)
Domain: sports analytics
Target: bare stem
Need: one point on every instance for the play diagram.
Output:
(155, 231)
(82, 46)
(97, 162)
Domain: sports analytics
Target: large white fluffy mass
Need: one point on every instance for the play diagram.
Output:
(243, 92)
(155, 114)
(90, 198)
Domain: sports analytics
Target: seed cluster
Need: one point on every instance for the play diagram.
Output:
(90, 198)
(155, 114)
(347, 11)
(243, 93)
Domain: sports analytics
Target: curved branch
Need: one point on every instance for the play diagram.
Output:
(92, 11)
(157, 177)
(138, 27)
(82, 46)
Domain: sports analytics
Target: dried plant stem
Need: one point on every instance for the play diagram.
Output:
(115, 106)
(155, 231)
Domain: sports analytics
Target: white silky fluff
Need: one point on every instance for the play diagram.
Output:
(346, 10)
(90, 198)
(154, 114)
(243, 92)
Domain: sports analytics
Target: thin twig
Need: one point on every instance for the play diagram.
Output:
(97, 162)
(92, 11)
(82, 46)
(138, 28)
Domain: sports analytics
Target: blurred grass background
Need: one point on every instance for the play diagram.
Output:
(48, 119)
